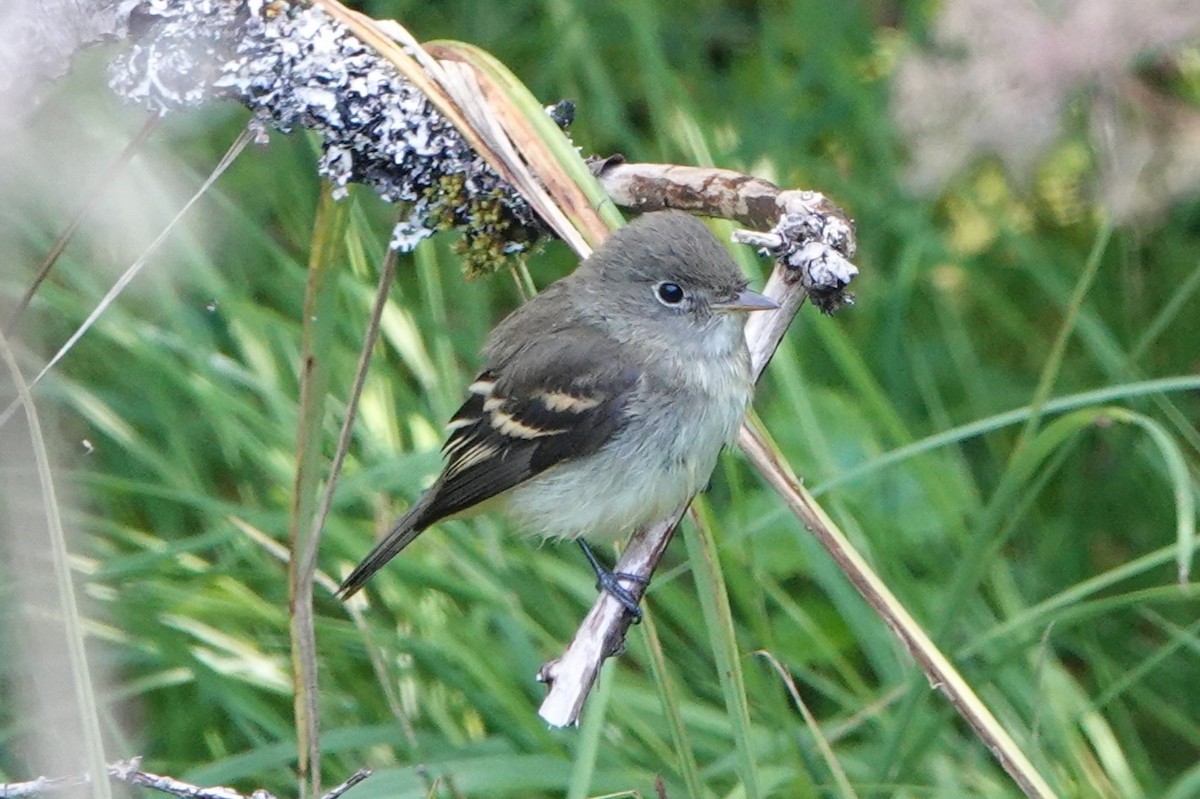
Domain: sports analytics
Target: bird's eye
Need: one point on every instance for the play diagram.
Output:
(669, 293)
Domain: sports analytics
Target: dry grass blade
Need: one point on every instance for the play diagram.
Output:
(835, 768)
(129, 274)
(92, 196)
(524, 123)
(472, 103)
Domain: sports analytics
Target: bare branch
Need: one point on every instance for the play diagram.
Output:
(754, 202)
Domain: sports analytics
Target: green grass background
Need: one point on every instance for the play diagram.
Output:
(1040, 556)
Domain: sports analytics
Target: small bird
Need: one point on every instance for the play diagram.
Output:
(604, 401)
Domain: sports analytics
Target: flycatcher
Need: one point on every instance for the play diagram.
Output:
(604, 401)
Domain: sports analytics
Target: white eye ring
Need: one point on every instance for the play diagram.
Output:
(669, 294)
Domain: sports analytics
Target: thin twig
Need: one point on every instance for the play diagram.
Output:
(355, 779)
(386, 273)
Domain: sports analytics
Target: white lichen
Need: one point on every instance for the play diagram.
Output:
(296, 67)
(816, 245)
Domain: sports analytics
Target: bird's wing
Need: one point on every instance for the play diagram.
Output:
(557, 398)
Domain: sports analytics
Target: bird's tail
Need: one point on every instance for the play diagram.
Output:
(408, 527)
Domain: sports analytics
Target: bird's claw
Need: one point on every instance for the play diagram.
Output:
(610, 582)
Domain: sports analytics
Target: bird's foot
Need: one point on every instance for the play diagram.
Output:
(610, 582)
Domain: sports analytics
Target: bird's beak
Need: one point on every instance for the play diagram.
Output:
(746, 300)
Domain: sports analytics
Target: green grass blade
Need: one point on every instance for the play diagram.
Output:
(587, 748)
(685, 755)
(319, 326)
(718, 620)
(1181, 486)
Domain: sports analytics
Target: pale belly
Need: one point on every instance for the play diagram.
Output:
(663, 457)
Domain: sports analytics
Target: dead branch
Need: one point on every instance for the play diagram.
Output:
(756, 203)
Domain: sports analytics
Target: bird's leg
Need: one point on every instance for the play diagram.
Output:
(610, 581)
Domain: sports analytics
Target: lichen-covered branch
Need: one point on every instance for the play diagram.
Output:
(803, 229)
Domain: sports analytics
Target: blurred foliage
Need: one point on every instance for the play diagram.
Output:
(1042, 563)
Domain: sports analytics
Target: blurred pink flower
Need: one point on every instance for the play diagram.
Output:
(1002, 75)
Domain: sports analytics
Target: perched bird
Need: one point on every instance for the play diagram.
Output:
(604, 401)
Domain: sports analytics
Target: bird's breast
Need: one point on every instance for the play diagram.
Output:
(678, 419)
